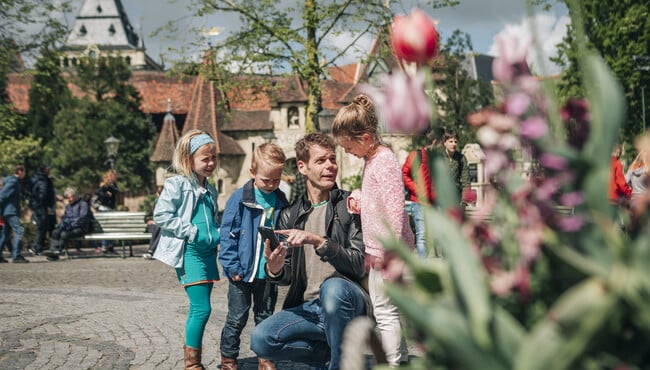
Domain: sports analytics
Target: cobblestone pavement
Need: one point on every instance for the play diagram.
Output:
(103, 312)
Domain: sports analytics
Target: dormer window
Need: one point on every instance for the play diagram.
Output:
(292, 117)
(111, 30)
(99, 8)
(83, 31)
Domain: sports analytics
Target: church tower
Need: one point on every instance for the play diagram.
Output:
(103, 29)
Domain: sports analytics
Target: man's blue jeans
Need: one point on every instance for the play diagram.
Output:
(312, 332)
(12, 223)
(261, 294)
(418, 219)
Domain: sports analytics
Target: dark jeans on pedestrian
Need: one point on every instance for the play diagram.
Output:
(311, 333)
(263, 295)
(42, 224)
(156, 232)
(61, 237)
(12, 223)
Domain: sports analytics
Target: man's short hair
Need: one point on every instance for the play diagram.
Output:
(312, 139)
(19, 168)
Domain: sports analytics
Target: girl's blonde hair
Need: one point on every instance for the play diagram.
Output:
(182, 158)
(109, 177)
(269, 153)
(356, 119)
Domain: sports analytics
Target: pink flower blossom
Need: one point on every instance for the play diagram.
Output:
(553, 162)
(571, 223)
(402, 103)
(414, 37)
(572, 199)
(533, 128)
(501, 122)
(517, 104)
(511, 62)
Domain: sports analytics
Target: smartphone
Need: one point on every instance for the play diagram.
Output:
(268, 233)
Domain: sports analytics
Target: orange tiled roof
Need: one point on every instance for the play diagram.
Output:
(346, 74)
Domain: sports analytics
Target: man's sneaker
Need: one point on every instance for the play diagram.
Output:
(3, 260)
(34, 251)
(52, 258)
(147, 256)
(19, 259)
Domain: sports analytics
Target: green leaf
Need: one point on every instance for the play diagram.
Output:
(444, 321)
(466, 271)
(559, 339)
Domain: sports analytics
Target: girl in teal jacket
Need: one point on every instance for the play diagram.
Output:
(187, 214)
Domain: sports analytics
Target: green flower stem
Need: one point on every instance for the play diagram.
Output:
(571, 257)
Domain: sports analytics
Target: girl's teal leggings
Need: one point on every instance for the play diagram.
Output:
(199, 314)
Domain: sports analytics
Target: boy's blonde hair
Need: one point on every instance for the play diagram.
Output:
(356, 119)
(269, 153)
(182, 158)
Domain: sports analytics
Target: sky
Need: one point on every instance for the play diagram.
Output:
(481, 19)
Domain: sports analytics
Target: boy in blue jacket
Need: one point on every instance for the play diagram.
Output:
(241, 253)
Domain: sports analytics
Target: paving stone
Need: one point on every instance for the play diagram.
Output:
(96, 312)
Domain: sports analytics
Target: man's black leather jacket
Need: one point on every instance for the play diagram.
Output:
(344, 247)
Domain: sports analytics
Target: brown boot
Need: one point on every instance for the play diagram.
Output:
(192, 358)
(228, 363)
(265, 364)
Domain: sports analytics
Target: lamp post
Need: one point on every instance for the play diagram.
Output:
(325, 120)
(112, 144)
(641, 64)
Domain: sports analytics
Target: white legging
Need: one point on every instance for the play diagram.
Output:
(388, 320)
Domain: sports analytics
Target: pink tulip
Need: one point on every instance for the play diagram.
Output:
(401, 102)
(414, 37)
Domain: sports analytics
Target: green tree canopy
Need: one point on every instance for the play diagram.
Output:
(459, 93)
(620, 32)
(110, 107)
(298, 36)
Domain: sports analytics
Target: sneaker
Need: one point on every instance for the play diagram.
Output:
(19, 259)
(147, 256)
(52, 258)
(109, 250)
(52, 252)
(34, 251)
(3, 260)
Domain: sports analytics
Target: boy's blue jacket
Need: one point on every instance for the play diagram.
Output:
(240, 247)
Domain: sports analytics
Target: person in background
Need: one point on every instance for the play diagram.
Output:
(420, 187)
(619, 192)
(380, 201)
(187, 212)
(321, 261)
(152, 228)
(638, 176)
(458, 168)
(107, 199)
(257, 203)
(42, 202)
(10, 195)
(77, 221)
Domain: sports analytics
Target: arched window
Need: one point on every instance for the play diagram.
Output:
(83, 31)
(74, 61)
(292, 117)
(66, 62)
(99, 9)
(128, 60)
(111, 30)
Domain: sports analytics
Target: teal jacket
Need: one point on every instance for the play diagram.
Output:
(173, 213)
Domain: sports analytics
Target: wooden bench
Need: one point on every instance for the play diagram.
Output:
(124, 227)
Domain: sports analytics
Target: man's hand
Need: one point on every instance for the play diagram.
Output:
(297, 238)
(274, 259)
